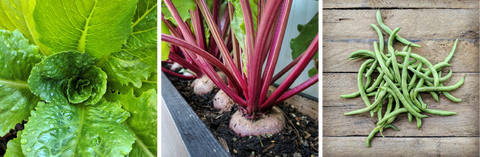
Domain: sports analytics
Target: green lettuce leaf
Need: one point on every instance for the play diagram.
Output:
(144, 25)
(97, 27)
(116, 87)
(17, 14)
(183, 7)
(56, 129)
(143, 122)
(68, 76)
(14, 147)
(238, 23)
(306, 36)
(17, 58)
(138, 58)
(131, 66)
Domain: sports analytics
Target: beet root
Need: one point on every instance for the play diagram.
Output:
(272, 123)
(203, 85)
(175, 66)
(222, 101)
(222, 76)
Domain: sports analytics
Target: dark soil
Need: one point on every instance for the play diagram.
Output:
(299, 138)
(9, 136)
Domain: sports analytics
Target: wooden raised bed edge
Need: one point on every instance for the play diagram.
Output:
(195, 136)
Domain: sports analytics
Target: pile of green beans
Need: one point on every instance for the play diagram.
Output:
(399, 82)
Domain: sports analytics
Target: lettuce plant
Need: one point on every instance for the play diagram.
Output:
(82, 73)
(248, 80)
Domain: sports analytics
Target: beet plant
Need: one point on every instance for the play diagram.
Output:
(178, 57)
(257, 31)
(82, 74)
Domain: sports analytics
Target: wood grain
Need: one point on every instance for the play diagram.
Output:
(393, 146)
(416, 23)
(333, 4)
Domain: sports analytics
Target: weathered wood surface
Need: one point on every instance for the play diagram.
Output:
(465, 123)
(432, 24)
(394, 146)
(332, 4)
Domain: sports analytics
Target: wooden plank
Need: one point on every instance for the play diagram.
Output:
(344, 4)
(172, 144)
(416, 23)
(465, 59)
(465, 123)
(303, 105)
(390, 146)
(197, 138)
(336, 84)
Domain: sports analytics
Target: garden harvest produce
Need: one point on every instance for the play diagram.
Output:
(82, 74)
(258, 40)
(399, 82)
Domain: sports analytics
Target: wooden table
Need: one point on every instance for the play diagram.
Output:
(432, 24)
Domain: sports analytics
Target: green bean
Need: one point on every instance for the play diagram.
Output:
(389, 31)
(419, 123)
(371, 94)
(439, 112)
(360, 82)
(437, 67)
(447, 94)
(394, 113)
(389, 105)
(380, 39)
(420, 84)
(379, 112)
(381, 62)
(367, 83)
(450, 96)
(441, 89)
(404, 78)
(370, 136)
(425, 77)
(426, 62)
(450, 55)
(391, 126)
(413, 98)
(424, 106)
(372, 68)
(362, 54)
(394, 58)
(409, 117)
(370, 107)
(414, 77)
(402, 99)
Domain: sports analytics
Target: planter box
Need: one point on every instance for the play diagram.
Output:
(183, 133)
